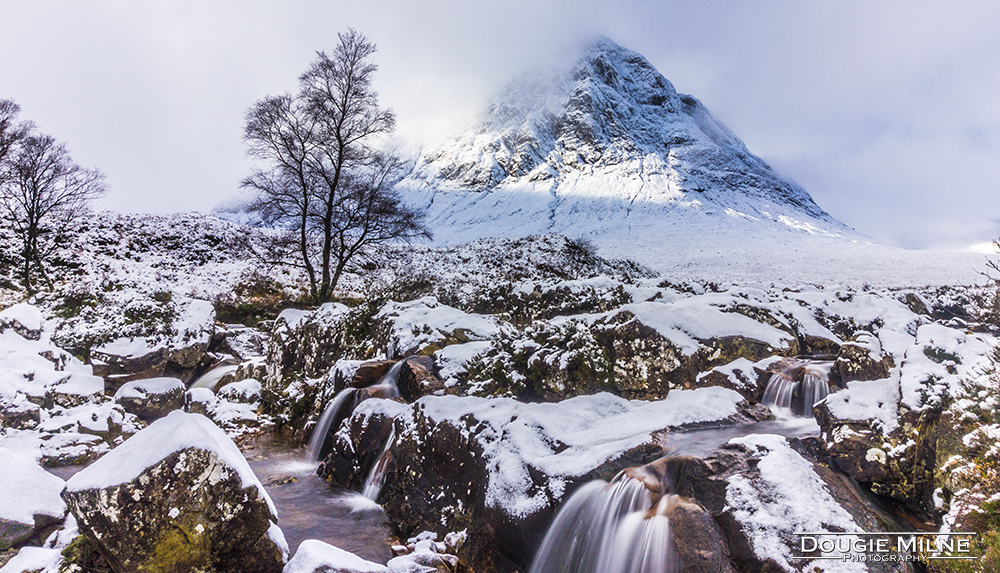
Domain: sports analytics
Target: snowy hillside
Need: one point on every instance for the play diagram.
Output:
(609, 150)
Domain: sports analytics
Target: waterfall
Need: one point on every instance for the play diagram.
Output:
(326, 420)
(389, 383)
(798, 388)
(376, 477)
(211, 378)
(385, 388)
(609, 528)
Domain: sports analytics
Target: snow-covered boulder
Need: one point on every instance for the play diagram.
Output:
(305, 343)
(179, 348)
(759, 491)
(424, 325)
(861, 359)
(178, 495)
(886, 433)
(151, 399)
(29, 501)
(242, 392)
(25, 319)
(314, 556)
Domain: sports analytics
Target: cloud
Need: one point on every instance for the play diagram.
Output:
(885, 112)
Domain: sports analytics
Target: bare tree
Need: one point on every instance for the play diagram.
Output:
(325, 182)
(41, 189)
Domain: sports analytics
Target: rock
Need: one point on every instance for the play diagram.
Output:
(860, 359)
(177, 496)
(19, 413)
(645, 364)
(314, 556)
(369, 373)
(760, 490)
(126, 360)
(305, 343)
(108, 421)
(151, 399)
(424, 558)
(165, 339)
(899, 464)
(30, 506)
(200, 401)
(425, 325)
(25, 319)
(233, 416)
(354, 452)
(76, 391)
(417, 378)
(698, 539)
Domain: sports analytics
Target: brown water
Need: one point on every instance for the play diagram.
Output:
(311, 508)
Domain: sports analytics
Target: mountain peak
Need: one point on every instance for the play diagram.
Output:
(608, 136)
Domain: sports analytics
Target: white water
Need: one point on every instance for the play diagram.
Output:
(798, 388)
(211, 378)
(376, 477)
(323, 426)
(608, 528)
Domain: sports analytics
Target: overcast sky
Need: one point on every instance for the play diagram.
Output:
(888, 113)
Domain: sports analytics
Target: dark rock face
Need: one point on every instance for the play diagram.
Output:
(868, 456)
(187, 512)
(182, 363)
(417, 378)
(151, 399)
(17, 534)
(368, 374)
(354, 452)
(698, 539)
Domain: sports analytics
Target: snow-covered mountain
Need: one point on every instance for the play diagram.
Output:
(607, 149)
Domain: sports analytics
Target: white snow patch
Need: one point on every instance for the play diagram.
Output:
(27, 490)
(788, 497)
(314, 555)
(24, 314)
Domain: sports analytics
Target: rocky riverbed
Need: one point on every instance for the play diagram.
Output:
(468, 425)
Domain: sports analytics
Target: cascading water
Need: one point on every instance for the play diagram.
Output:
(211, 378)
(326, 420)
(609, 528)
(798, 388)
(376, 477)
(386, 388)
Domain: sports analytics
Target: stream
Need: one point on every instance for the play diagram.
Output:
(311, 508)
